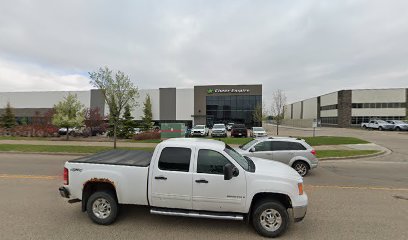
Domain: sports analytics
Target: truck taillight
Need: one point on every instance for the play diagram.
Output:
(66, 176)
(313, 152)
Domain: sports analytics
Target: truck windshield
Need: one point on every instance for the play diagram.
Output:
(242, 161)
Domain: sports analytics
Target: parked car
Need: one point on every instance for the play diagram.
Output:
(239, 130)
(377, 124)
(199, 130)
(219, 130)
(291, 151)
(258, 132)
(229, 126)
(188, 177)
(71, 131)
(399, 125)
(137, 131)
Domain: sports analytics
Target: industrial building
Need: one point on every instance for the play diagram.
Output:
(347, 108)
(199, 105)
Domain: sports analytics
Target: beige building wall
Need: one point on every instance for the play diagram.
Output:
(356, 112)
(329, 113)
(43, 99)
(310, 108)
(329, 99)
(296, 110)
(287, 111)
(184, 103)
(378, 95)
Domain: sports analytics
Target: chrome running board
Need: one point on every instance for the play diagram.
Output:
(196, 214)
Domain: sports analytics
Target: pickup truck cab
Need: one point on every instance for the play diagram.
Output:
(188, 177)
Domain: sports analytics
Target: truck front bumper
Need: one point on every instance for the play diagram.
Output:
(64, 192)
(299, 213)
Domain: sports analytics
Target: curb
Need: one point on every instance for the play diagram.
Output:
(381, 153)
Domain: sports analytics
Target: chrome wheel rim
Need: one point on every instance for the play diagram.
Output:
(101, 208)
(301, 169)
(271, 220)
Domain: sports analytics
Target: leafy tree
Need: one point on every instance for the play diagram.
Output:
(259, 114)
(69, 113)
(8, 120)
(94, 119)
(147, 114)
(278, 104)
(118, 90)
(127, 126)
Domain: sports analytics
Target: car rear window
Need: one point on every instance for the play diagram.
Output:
(238, 126)
(285, 146)
(175, 159)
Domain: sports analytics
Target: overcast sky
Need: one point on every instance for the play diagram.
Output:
(306, 48)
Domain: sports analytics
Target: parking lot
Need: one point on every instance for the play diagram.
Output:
(348, 199)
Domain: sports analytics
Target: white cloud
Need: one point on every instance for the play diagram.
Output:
(306, 48)
(29, 77)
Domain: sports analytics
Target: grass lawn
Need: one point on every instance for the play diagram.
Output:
(60, 149)
(332, 140)
(343, 153)
(235, 141)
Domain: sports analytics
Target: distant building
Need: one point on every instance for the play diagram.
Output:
(207, 104)
(346, 108)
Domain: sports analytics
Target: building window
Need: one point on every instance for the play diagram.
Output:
(377, 105)
(237, 109)
(364, 119)
(328, 107)
(329, 120)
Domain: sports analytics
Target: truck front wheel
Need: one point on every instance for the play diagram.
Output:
(102, 207)
(270, 218)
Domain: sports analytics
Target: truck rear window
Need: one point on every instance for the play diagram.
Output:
(175, 159)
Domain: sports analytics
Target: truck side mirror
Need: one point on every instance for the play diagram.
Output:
(228, 171)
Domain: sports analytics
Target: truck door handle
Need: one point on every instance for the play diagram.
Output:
(201, 181)
(160, 178)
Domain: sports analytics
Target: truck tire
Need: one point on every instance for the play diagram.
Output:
(364, 127)
(380, 128)
(102, 207)
(270, 218)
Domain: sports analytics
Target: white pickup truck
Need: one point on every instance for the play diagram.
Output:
(188, 177)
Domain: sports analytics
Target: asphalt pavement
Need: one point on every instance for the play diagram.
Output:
(348, 199)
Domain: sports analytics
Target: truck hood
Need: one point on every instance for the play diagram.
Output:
(274, 168)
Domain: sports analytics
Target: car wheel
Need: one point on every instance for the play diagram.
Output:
(102, 208)
(301, 167)
(380, 128)
(398, 128)
(364, 127)
(270, 218)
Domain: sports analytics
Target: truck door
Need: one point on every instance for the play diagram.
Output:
(210, 191)
(171, 183)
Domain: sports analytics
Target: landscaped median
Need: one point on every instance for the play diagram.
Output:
(26, 148)
(337, 154)
(327, 147)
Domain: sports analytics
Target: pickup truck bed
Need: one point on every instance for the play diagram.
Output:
(118, 157)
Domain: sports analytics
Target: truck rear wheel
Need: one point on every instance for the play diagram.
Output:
(270, 218)
(102, 207)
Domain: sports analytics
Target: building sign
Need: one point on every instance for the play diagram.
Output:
(232, 90)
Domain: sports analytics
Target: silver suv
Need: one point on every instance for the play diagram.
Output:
(292, 151)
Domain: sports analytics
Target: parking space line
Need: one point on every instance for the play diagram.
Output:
(356, 187)
(13, 176)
